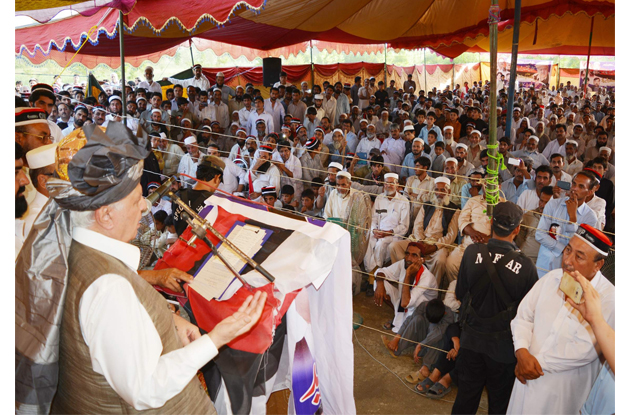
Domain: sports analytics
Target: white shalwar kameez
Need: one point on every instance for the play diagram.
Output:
(562, 342)
(396, 218)
(418, 293)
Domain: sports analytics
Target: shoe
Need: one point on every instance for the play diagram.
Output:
(370, 292)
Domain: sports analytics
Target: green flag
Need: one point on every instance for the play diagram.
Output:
(93, 89)
(181, 75)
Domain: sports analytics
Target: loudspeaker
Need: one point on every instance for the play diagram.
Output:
(271, 71)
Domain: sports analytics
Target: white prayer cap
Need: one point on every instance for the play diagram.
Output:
(185, 119)
(476, 132)
(608, 149)
(461, 145)
(241, 130)
(190, 140)
(533, 137)
(336, 165)
(42, 156)
(364, 120)
(452, 160)
(344, 174)
(391, 176)
(371, 125)
(443, 179)
(239, 86)
(540, 122)
(579, 125)
(419, 139)
(115, 97)
(163, 136)
(385, 111)
(409, 127)
(220, 74)
(408, 122)
(572, 142)
(338, 130)
(500, 109)
(141, 99)
(156, 110)
(319, 96)
(449, 127)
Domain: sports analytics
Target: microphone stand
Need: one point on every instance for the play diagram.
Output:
(200, 226)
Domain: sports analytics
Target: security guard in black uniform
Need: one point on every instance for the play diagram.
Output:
(210, 170)
(492, 280)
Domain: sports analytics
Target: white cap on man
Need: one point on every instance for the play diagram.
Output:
(336, 165)
(608, 149)
(533, 137)
(391, 176)
(190, 140)
(448, 127)
(442, 179)
(462, 145)
(418, 139)
(41, 156)
(344, 174)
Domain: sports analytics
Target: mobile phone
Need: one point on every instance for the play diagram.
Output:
(563, 185)
(572, 288)
(514, 162)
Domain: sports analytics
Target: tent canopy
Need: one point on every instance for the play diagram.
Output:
(151, 27)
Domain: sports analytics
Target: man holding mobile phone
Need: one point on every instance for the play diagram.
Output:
(556, 354)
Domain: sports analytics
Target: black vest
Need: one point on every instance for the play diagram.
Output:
(448, 213)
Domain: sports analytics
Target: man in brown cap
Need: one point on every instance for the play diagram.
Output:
(121, 349)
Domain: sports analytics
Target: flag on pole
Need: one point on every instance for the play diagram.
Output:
(93, 88)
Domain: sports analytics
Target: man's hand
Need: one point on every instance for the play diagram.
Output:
(571, 208)
(527, 367)
(169, 278)
(429, 249)
(240, 322)
(165, 79)
(557, 192)
(413, 268)
(453, 353)
(476, 236)
(186, 331)
(322, 191)
(380, 292)
(590, 308)
(416, 353)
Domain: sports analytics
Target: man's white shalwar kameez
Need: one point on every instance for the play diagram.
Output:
(562, 342)
(396, 218)
(418, 293)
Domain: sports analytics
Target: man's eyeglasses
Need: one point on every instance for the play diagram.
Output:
(45, 138)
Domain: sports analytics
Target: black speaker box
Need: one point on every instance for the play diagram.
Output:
(271, 71)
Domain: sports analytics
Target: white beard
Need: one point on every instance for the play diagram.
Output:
(437, 202)
(389, 194)
(370, 136)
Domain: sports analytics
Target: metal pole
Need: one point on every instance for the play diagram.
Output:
(191, 50)
(592, 24)
(425, 73)
(385, 69)
(122, 63)
(558, 74)
(492, 188)
(453, 75)
(312, 67)
(513, 59)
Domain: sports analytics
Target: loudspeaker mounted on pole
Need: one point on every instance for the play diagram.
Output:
(271, 71)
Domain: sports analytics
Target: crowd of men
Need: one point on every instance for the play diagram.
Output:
(421, 158)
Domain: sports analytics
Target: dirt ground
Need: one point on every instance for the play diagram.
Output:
(376, 389)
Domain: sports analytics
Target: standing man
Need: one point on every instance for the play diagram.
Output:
(149, 84)
(109, 307)
(80, 116)
(556, 350)
(275, 109)
(42, 165)
(42, 97)
(259, 114)
(188, 162)
(493, 278)
(410, 83)
(199, 80)
(561, 218)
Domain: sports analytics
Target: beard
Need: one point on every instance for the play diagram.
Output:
(79, 123)
(264, 167)
(343, 195)
(370, 136)
(473, 145)
(438, 202)
(389, 193)
(21, 205)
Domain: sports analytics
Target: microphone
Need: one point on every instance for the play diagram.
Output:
(158, 193)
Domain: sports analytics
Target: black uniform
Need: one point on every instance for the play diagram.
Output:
(486, 356)
(194, 199)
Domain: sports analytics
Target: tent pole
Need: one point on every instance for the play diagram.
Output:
(592, 24)
(122, 61)
(385, 68)
(191, 50)
(492, 188)
(425, 73)
(513, 60)
(453, 75)
(558, 74)
(312, 67)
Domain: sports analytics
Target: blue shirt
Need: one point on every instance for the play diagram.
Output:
(601, 400)
(423, 134)
(555, 214)
(512, 192)
(407, 169)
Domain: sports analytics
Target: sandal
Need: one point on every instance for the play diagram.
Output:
(437, 391)
(388, 325)
(425, 384)
(386, 341)
(415, 377)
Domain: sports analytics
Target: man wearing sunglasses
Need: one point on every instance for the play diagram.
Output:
(42, 97)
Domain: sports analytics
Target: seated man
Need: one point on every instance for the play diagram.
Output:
(419, 187)
(427, 326)
(270, 197)
(473, 224)
(526, 239)
(390, 221)
(530, 198)
(406, 284)
(456, 181)
(555, 347)
(340, 198)
(436, 226)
